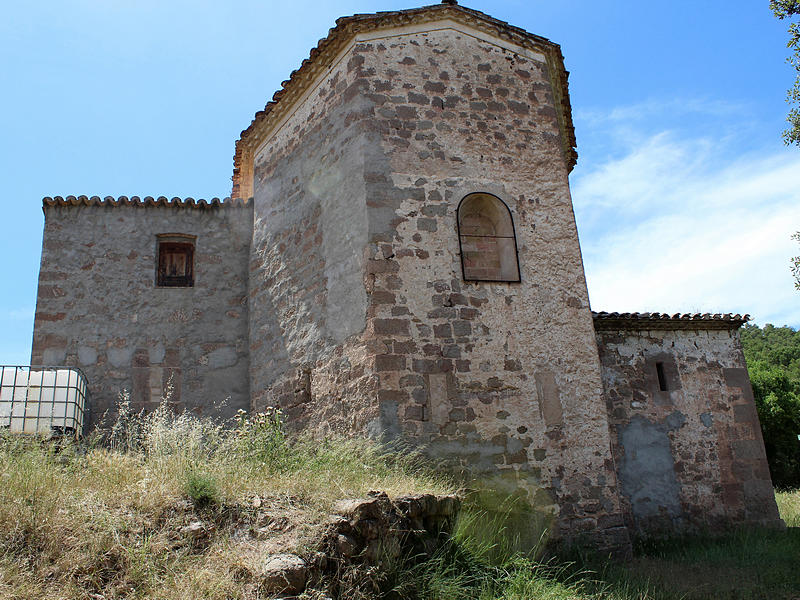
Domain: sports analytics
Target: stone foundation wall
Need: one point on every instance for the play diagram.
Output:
(363, 539)
(98, 307)
(690, 456)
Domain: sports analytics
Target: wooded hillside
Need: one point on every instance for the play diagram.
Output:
(773, 360)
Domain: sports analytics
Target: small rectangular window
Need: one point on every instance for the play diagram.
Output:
(175, 266)
(662, 379)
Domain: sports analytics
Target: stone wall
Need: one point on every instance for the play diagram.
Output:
(691, 455)
(98, 307)
(501, 380)
(361, 320)
(362, 540)
(308, 298)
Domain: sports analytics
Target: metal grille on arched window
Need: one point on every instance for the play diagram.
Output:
(486, 239)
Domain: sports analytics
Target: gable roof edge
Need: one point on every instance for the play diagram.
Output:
(347, 28)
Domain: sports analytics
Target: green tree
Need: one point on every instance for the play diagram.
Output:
(796, 264)
(789, 9)
(778, 405)
(773, 361)
(774, 347)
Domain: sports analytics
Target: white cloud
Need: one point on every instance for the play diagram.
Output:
(674, 107)
(672, 225)
(21, 314)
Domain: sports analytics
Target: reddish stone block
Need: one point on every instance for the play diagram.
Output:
(404, 347)
(390, 362)
(443, 331)
(468, 313)
(390, 326)
(382, 297)
(392, 396)
(51, 316)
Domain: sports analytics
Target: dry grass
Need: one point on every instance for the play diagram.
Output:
(115, 523)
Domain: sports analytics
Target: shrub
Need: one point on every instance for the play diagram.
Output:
(201, 489)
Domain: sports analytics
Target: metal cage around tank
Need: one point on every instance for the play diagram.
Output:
(50, 400)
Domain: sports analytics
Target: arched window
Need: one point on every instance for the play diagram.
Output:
(486, 238)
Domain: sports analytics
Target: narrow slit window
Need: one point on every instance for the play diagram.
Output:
(487, 239)
(662, 379)
(175, 262)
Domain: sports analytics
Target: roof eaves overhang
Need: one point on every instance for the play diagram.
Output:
(614, 321)
(147, 201)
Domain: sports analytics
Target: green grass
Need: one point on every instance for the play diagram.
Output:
(121, 521)
(201, 489)
(745, 564)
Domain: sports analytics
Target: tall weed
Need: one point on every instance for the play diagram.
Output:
(260, 438)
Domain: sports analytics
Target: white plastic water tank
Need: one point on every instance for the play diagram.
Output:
(13, 394)
(42, 400)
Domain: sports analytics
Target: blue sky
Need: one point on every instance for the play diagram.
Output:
(684, 194)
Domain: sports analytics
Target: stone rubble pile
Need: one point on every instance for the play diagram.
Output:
(363, 533)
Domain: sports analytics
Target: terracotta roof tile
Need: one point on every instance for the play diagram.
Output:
(655, 320)
(146, 201)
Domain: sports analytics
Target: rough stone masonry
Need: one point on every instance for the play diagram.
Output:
(400, 260)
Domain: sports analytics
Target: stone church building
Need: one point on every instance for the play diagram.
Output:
(399, 259)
